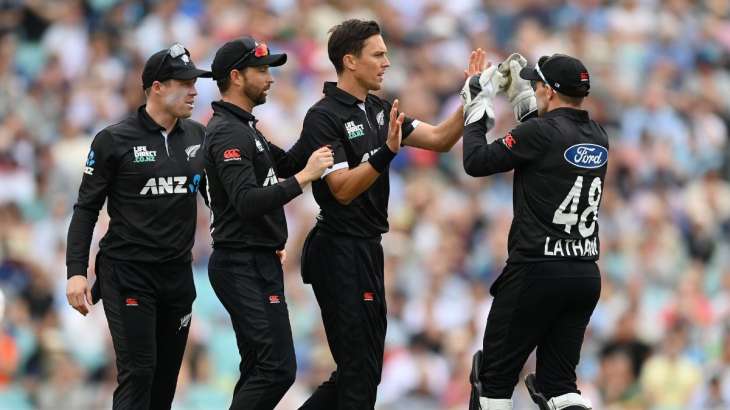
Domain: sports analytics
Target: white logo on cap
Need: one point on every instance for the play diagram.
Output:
(185, 59)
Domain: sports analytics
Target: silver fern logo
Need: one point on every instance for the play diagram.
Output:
(191, 151)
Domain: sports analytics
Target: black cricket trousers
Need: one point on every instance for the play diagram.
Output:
(346, 274)
(250, 285)
(545, 305)
(148, 307)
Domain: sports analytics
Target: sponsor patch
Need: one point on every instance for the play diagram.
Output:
(589, 156)
(354, 130)
(90, 161)
(509, 140)
(368, 296)
(274, 299)
(166, 185)
(141, 154)
(131, 302)
(232, 154)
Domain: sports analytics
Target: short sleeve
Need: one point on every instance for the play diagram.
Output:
(320, 129)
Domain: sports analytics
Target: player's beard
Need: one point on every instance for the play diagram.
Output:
(255, 94)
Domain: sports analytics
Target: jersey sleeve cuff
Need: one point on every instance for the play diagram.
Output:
(333, 168)
(291, 187)
(75, 269)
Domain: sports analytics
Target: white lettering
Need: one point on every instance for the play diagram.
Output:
(563, 247)
(151, 185)
(180, 185)
(558, 248)
(577, 248)
(547, 251)
(165, 185)
(366, 156)
(583, 156)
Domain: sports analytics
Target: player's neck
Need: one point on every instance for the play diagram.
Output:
(160, 115)
(560, 104)
(351, 86)
(241, 101)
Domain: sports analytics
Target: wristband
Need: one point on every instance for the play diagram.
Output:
(381, 158)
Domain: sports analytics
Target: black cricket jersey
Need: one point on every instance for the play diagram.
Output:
(355, 130)
(560, 162)
(151, 180)
(245, 193)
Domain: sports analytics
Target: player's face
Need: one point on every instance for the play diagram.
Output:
(370, 66)
(543, 94)
(257, 83)
(178, 97)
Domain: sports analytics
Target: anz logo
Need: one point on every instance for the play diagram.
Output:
(589, 156)
(170, 185)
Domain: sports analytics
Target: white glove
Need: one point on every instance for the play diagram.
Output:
(478, 94)
(519, 91)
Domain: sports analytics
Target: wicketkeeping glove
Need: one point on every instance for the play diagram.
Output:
(478, 95)
(519, 91)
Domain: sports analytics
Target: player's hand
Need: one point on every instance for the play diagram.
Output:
(318, 162)
(519, 91)
(78, 293)
(281, 253)
(507, 86)
(394, 128)
(477, 63)
(478, 94)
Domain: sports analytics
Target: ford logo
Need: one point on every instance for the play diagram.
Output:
(586, 155)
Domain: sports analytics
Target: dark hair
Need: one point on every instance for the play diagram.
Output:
(349, 37)
(574, 101)
(224, 83)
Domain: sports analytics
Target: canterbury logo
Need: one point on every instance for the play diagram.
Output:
(233, 154)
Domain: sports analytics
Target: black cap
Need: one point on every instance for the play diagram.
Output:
(172, 63)
(565, 74)
(243, 52)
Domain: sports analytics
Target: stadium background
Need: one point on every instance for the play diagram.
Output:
(660, 85)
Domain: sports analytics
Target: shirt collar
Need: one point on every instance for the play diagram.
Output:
(149, 124)
(580, 115)
(332, 90)
(237, 111)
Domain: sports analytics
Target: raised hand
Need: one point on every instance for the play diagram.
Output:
(394, 128)
(477, 63)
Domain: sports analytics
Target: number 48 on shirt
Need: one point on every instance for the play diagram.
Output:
(571, 218)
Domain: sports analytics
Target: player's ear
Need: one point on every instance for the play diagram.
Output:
(349, 61)
(237, 78)
(155, 87)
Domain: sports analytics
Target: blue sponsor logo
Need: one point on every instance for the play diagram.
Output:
(196, 182)
(586, 155)
(90, 161)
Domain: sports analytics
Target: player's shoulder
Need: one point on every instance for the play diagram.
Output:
(120, 127)
(324, 112)
(533, 128)
(374, 100)
(190, 125)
